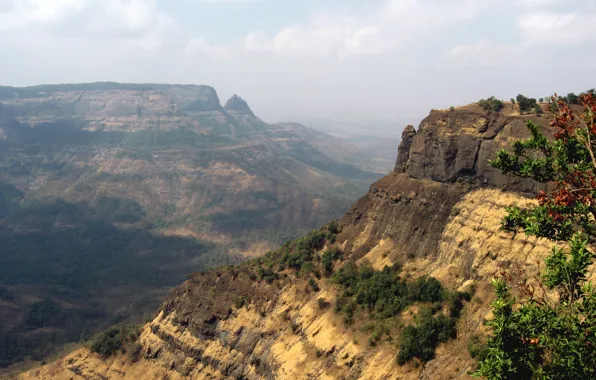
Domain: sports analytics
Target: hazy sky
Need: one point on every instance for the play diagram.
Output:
(336, 59)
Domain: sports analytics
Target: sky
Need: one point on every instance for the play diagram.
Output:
(325, 59)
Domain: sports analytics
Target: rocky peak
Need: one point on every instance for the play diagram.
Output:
(236, 103)
(403, 152)
(193, 98)
(453, 146)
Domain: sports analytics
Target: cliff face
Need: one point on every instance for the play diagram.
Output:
(403, 151)
(457, 145)
(106, 100)
(438, 213)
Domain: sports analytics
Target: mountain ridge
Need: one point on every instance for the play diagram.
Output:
(437, 214)
(113, 175)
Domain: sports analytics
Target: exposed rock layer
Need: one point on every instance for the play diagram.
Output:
(455, 145)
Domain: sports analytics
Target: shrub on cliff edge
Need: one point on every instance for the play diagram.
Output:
(538, 335)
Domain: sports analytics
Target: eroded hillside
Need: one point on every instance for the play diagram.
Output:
(295, 314)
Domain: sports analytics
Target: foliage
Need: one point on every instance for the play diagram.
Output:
(491, 103)
(44, 313)
(301, 251)
(421, 339)
(526, 104)
(108, 342)
(541, 335)
(571, 98)
(379, 331)
(322, 302)
(476, 348)
(301, 256)
(240, 302)
(384, 293)
(267, 274)
(538, 109)
(329, 256)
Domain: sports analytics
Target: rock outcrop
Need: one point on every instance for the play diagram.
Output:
(237, 104)
(110, 103)
(438, 213)
(403, 151)
(457, 145)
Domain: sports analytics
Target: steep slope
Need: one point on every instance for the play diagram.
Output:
(438, 214)
(110, 194)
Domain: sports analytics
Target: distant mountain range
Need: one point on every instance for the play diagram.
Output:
(376, 138)
(111, 193)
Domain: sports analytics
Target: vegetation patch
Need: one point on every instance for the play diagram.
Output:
(491, 103)
(384, 294)
(548, 330)
(379, 296)
(116, 338)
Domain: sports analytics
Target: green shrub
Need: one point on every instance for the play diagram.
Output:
(323, 304)
(550, 334)
(538, 109)
(44, 313)
(384, 293)
(240, 302)
(348, 275)
(476, 348)
(333, 227)
(108, 342)
(425, 289)
(329, 256)
(267, 274)
(491, 103)
(420, 340)
(525, 104)
(379, 331)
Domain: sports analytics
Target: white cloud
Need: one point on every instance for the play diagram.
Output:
(324, 35)
(536, 32)
(487, 53)
(229, 1)
(133, 19)
(558, 28)
(381, 30)
(200, 46)
(545, 21)
(535, 3)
